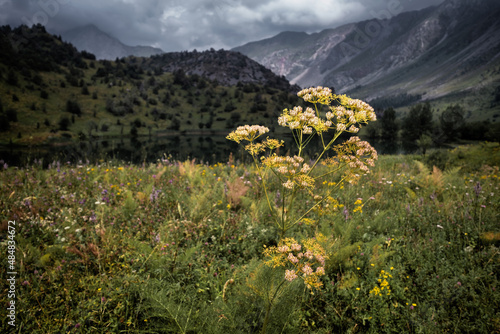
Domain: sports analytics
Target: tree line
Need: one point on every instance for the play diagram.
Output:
(422, 126)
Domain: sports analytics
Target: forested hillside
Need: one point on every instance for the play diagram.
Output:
(49, 91)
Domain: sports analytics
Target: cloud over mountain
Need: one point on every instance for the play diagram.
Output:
(176, 25)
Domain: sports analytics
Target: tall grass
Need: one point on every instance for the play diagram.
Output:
(177, 247)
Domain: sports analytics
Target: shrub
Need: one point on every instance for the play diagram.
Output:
(11, 114)
(73, 107)
(133, 131)
(64, 124)
(85, 90)
(4, 123)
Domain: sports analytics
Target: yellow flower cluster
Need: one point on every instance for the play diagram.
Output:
(329, 205)
(292, 169)
(356, 154)
(359, 208)
(256, 148)
(364, 112)
(306, 261)
(382, 288)
(308, 221)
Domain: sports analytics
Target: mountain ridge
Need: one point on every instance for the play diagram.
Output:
(104, 46)
(434, 52)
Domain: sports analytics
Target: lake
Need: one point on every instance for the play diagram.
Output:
(204, 148)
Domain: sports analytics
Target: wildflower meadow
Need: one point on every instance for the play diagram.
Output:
(336, 241)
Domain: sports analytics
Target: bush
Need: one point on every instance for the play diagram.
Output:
(4, 123)
(133, 131)
(229, 107)
(85, 90)
(175, 124)
(137, 123)
(64, 124)
(73, 107)
(235, 116)
(11, 115)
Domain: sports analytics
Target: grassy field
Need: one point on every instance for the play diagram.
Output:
(178, 247)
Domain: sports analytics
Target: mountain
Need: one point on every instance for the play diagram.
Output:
(226, 67)
(50, 92)
(27, 49)
(103, 46)
(438, 53)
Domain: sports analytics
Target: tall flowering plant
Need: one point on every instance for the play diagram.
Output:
(351, 158)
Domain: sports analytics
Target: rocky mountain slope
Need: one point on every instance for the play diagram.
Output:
(227, 67)
(103, 46)
(433, 53)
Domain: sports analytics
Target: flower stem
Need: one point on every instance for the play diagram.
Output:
(269, 307)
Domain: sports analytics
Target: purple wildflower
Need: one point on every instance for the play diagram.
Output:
(346, 213)
(477, 189)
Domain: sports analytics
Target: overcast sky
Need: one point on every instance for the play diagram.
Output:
(177, 25)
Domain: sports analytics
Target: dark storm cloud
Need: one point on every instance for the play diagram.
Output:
(188, 24)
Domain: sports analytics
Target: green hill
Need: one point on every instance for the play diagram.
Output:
(50, 92)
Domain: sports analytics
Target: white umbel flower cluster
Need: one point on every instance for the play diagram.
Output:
(318, 94)
(247, 132)
(304, 120)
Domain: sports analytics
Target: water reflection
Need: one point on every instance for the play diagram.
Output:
(203, 148)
